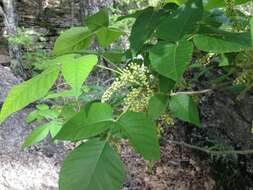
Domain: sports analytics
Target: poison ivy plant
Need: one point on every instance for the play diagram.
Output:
(183, 107)
(62, 94)
(98, 20)
(87, 123)
(92, 165)
(106, 36)
(28, 92)
(41, 132)
(218, 41)
(171, 60)
(142, 134)
(43, 111)
(169, 44)
(77, 70)
(73, 40)
(183, 21)
(113, 56)
(157, 106)
(36, 136)
(143, 28)
(178, 2)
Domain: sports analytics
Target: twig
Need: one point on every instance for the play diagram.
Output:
(107, 81)
(110, 62)
(107, 68)
(214, 152)
(201, 91)
(191, 92)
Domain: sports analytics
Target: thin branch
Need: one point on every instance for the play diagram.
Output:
(107, 68)
(202, 91)
(191, 92)
(208, 151)
(110, 62)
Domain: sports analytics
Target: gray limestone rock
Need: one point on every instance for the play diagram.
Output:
(4, 59)
(33, 169)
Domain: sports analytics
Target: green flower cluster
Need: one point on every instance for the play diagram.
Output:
(246, 77)
(230, 8)
(167, 119)
(137, 99)
(116, 86)
(136, 78)
(245, 62)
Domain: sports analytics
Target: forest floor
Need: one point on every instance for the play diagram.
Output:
(38, 167)
(180, 168)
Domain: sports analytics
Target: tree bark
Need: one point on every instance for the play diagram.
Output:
(8, 11)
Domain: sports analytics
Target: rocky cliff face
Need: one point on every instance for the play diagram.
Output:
(49, 18)
(34, 169)
(38, 167)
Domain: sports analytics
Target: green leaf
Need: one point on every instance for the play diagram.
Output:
(49, 114)
(157, 106)
(133, 15)
(59, 60)
(98, 20)
(54, 128)
(76, 72)
(224, 61)
(87, 123)
(171, 60)
(92, 166)
(67, 112)
(32, 116)
(223, 42)
(221, 3)
(183, 107)
(215, 18)
(113, 56)
(143, 28)
(42, 107)
(166, 84)
(62, 94)
(27, 92)
(72, 40)
(37, 135)
(141, 132)
(107, 36)
(184, 21)
(178, 2)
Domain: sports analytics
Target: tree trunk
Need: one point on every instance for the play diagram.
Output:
(10, 21)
